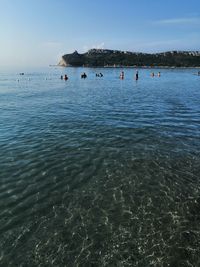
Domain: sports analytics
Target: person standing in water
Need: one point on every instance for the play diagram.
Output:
(159, 74)
(121, 75)
(152, 74)
(136, 76)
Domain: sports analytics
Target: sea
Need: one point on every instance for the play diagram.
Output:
(99, 171)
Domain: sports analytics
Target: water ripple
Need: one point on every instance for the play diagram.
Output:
(100, 173)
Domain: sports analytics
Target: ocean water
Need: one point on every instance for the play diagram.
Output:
(101, 171)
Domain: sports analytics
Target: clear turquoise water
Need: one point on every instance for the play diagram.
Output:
(101, 171)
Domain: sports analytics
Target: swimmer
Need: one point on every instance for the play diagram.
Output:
(159, 74)
(84, 75)
(65, 77)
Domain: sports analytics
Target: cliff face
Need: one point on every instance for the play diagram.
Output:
(62, 62)
(106, 57)
(75, 59)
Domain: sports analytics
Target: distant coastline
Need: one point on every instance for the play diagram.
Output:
(128, 67)
(152, 67)
(117, 59)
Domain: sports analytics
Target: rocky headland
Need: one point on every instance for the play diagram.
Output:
(116, 58)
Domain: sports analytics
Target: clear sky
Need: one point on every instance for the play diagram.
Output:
(38, 32)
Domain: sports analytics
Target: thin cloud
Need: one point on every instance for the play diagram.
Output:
(178, 21)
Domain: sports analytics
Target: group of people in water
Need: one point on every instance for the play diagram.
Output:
(153, 74)
(137, 75)
(99, 74)
(84, 75)
(121, 76)
(65, 77)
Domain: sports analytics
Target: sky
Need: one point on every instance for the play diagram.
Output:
(39, 32)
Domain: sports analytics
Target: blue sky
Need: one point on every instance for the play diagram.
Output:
(38, 32)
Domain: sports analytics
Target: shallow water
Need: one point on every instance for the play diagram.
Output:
(101, 171)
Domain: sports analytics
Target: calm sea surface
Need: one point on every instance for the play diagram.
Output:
(101, 171)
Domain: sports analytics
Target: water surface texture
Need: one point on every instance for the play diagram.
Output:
(101, 171)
